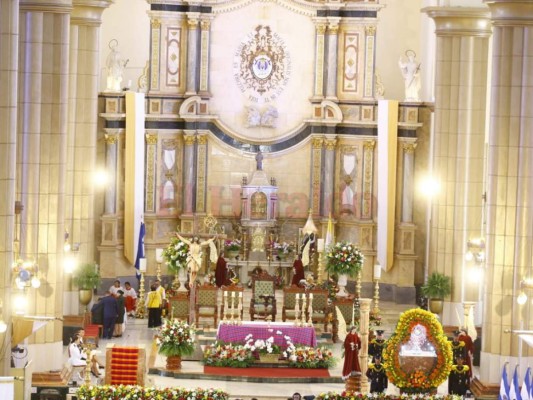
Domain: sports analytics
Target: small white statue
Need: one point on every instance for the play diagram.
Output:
(411, 74)
(115, 67)
(254, 117)
(268, 119)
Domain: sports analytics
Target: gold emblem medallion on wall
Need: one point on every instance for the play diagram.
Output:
(262, 65)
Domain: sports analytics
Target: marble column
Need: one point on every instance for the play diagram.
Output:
(192, 53)
(9, 31)
(370, 58)
(459, 141)
(509, 186)
(408, 181)
(42, 145)
(319, 59)
(111, 156)
(331, 84)
(201, 173)
(189, 186)
(367, 197)
(205, 40)
(316, 174)
(328, 185)
(84, 71)
(151, 168)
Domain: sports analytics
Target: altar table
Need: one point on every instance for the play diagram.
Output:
(304, 335)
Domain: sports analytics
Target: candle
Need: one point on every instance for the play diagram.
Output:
(142, 264)
(377, 271)
(159, 255)
(353, 313)
(320, 245)
(311, 296)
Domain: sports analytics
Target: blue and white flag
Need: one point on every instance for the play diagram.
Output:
(140, 251)
(525, 393)
(514, 390)
(504, 385)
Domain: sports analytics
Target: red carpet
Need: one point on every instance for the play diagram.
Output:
(268, 372)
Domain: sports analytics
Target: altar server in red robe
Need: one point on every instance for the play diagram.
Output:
(469, 349)
(298, 269)
(352, 344)
(221, 271)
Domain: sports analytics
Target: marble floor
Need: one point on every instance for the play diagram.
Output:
(137, 333)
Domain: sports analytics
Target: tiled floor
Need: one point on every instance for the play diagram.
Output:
(137, 333)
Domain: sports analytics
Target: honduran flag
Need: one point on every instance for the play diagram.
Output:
(525, 393)
(514, 389)
(504, 384)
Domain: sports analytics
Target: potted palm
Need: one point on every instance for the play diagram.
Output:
(87, 278)
(437, 287)
(175, 340)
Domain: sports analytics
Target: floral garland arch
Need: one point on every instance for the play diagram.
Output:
(421, 328)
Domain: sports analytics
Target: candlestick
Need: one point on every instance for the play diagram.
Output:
(353, 313)
(297, 308)
(377, 271)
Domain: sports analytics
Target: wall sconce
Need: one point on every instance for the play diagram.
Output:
(522, 297)
(26, 274)
(476, 250)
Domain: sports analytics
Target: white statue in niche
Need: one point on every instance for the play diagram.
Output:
(411, 75)
(255, 118)
(115, 67)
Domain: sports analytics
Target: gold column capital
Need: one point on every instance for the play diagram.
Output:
(409, 148)
(192, 23)
(330, 144)
(321, 28)
(333, 29)
(205, 24)
(317, 143)
(189, 139)
(202, 139)
(156, 24)
(151, 138)
(370, 30)
(111, 139)
(369, 144)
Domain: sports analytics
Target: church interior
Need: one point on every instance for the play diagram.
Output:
(403, 128)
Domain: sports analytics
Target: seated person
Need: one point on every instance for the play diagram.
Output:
(77, 357)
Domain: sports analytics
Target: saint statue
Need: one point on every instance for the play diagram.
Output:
(352, 344)
(411, 75)
(115, 66)
(259, 161)
(194, 259)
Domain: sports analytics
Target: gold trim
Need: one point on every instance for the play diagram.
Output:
(333, 29)
(192, 23)
(156, 24)
(205, 24)
(151, 138)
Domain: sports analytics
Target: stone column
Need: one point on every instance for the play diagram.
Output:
(408, 181)
(110, 206)
(205, 40)
(9, 31)
(510, 185)
(328, 186)
(188, 174)
(319, 59)
(460, 95)
(368, 180)
(331, 85)
(84, 70)
(192, 53)
(42, 146)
